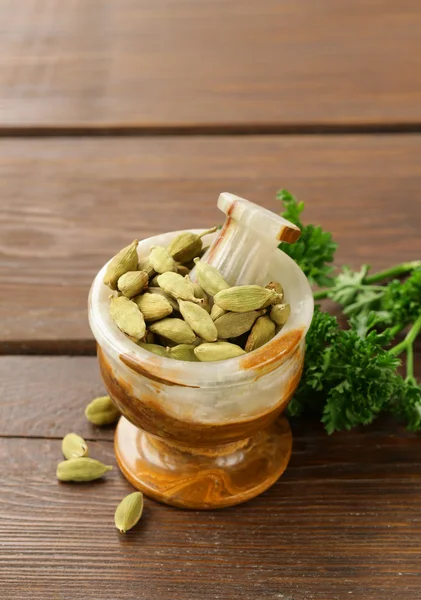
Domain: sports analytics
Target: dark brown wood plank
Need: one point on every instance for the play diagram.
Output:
(45, 397)
(69, 204)
(137, 64)
(343, 520)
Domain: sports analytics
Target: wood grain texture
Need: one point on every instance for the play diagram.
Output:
(69, 204)
(343, 520)
(214, 63)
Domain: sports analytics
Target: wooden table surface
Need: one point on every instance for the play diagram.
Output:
(126, 118)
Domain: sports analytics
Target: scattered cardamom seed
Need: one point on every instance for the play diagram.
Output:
(209, 278)
(232, 324)
(132, 283)
(155, 348)
(128, 512)
(212, 351)
(280, 313)
(161, 260)
(81, 469)
(243, 298)
(176, 330)
(125, 260)
(74, 446)
(199, 320)
(183, 352)
(261, 333)
(102, 411)
(153, 306)
(187, 245)
(127, 316)
(179, 287)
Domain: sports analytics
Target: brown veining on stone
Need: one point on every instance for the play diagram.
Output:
(197, 479)
(136, 366)
(146, 413)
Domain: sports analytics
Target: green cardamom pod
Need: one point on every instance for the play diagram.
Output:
(127, 317)
(280, 313)
(156, 349)
(261, 333)
(144, 264)
(209, 278)
(183, 352)
(81, 469)
(132, 283)
(217, 312)
(212, 351)
(179, 287)
(176, 330)
(243, 298)
(187, 246)
(128, 512)
(161, 292)
(232, 325)
(199, 320)
(74, 446)
(125, 260)
(276, 287)
(102, 411)
(182, 270)
(200, 293)
(161, 260)
(153, 306)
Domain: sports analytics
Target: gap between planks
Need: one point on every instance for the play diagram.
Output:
(241, 129)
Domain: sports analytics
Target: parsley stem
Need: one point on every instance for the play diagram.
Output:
(320, 294)
(410, 361)
(396, 329)
(409, 339)
(395, 271)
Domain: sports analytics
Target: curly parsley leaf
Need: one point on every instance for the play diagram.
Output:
(315, 250)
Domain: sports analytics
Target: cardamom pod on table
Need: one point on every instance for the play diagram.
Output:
(129, 511)
(74, 446)
(81, 469)
(102, 411)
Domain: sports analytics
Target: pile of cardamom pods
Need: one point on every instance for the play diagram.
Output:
(159, 308)
(79, 467)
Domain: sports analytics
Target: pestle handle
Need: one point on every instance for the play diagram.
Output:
(243, 250)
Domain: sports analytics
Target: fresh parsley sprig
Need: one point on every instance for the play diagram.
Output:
(350, 376)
